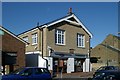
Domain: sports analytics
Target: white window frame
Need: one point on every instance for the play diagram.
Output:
(60, 37)
(34, 39)
(26, 39)
(81, 40)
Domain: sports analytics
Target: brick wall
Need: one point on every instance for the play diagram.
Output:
(12, 44)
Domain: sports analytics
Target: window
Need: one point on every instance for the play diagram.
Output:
(34, 39)
(38, 71)
(27, 72)
(80, 40)
(41, 70)
(25, 38)
(60, 37)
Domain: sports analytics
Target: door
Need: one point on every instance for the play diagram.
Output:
(41, 74)
(70, 65)
(27, 74)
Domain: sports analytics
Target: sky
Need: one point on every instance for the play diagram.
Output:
(100, 18)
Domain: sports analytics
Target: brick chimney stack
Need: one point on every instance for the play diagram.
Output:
(70, 11)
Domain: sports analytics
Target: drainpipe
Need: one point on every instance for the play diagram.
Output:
(41, 29)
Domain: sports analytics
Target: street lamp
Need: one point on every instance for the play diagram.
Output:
(89, 55)
(106, 52)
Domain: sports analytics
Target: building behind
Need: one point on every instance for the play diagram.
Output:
(12, 51)
(108, 52)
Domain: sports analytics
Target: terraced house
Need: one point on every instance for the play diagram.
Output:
(64, 42)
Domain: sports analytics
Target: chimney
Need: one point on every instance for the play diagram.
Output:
(70, 11)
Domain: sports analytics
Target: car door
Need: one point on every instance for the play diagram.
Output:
(26, 74)
(41, 74)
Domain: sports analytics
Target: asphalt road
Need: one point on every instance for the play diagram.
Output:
(75, 76)
(72, 79)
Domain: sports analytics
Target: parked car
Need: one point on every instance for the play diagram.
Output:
(108, 68)
(29, 73)
(107, 75)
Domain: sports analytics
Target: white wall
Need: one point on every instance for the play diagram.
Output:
(50, 62)
(41, 62)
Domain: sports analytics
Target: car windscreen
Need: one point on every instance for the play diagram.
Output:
(41, 70)
(108, 68)
(17, 71)
(101, 68)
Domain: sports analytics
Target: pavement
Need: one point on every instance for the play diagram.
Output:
(74, 76)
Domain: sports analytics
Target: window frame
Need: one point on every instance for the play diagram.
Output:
(27, 72)
(60, 37)
(80, 40)
(34, 38)
(26, 39)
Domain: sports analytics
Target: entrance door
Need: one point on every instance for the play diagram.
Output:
(55, 67)
(8, 60)
(70, 65)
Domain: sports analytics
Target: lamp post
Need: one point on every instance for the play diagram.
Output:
(106, 52)
(89, 54)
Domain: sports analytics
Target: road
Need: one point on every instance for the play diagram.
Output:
(71, 79)
(74, 76)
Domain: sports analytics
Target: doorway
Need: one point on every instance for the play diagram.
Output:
(8, 60)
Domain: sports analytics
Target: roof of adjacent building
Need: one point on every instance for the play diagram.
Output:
(111, 47)
(111, 42)
(115, 40)
(10, 33)
(65, 18)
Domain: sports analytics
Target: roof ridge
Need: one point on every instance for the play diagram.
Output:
(109, 46)
(12, 34)
(64, 18)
